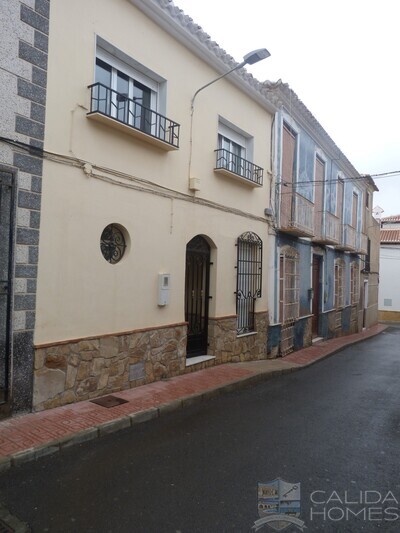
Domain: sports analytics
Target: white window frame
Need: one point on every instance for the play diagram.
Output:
(118, 60)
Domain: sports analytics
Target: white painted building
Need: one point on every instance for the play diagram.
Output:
(389, 287)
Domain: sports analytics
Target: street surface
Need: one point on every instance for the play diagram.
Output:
(333, 428)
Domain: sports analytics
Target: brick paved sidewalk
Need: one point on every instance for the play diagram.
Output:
(34, 435)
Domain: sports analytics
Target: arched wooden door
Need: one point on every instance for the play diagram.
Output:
(197, 283)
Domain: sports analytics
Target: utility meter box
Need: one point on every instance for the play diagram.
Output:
(164, 283)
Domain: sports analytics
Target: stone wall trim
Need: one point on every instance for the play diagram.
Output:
(118, 334)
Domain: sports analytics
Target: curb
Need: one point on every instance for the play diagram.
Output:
(133, 419)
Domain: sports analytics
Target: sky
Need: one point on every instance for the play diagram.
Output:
(342, 59)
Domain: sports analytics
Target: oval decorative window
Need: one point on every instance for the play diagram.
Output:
(113, 243)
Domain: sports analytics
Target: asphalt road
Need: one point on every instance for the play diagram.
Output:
(333, 427)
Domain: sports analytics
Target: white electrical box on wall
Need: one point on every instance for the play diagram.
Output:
(164, 283)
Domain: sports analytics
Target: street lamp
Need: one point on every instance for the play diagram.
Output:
(249, 59)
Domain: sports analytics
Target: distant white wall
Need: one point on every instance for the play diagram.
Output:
(389, 278)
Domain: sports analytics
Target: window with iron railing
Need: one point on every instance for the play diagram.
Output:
(354, 283)
(289, 289)
(131, 98)
(234, 154)
(248, 280)
(339, 283)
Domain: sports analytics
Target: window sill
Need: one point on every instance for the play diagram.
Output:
(199, 359)
(250, 334)
(133, 132)
(237, 177)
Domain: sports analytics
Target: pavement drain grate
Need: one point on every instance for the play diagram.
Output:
(107, 401)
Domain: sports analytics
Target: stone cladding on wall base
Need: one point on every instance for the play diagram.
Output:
(78, 370)
(228, 347)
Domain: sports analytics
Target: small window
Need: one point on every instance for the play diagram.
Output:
(249, 276)
(235, 154)
(113, 243)
(339, 283)
(132, 96)
(354, 283)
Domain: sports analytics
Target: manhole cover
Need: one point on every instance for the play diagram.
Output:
(108, 401)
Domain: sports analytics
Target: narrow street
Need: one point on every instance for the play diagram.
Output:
(333, 427)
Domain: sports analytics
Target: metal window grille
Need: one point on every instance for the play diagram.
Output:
(339, 291)
(289, 297)
(354, 283)
(249, 278)
(339, 284)
(112, 244)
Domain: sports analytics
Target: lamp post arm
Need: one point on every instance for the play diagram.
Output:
(240, 65)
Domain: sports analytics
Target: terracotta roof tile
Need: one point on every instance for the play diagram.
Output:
(390, 236)
(392, 218)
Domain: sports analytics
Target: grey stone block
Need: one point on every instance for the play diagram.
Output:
(31, 286)
(30, 318)
(34, 222)
(26, 271)
(43, 7)
(34, 19)
(32, 92)
(33, 255)
(27, 236)
(26, 126)
(24, 302)
(32, 55)
(36, 147)
(29, 200)
(39, 76)
(144, 416)
(36, 185)
(41, 41)
(38, 112)
(27, 163)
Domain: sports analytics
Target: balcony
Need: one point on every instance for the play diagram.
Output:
(297, 215)
(330, 230)
(230, 164)
(348, 239)
(363, 248)
(125, 114)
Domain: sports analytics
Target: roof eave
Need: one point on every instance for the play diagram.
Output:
(173, 20)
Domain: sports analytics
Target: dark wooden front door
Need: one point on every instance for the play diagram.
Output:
(6, 191)
(197, 295)
(316, 299)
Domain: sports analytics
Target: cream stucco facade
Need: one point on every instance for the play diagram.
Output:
(99, 326)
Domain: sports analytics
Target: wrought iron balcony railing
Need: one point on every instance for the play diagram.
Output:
(349, 238)
(232, 163)
(129, 113)
(296, 214)
(303, 217)
(332, 228)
